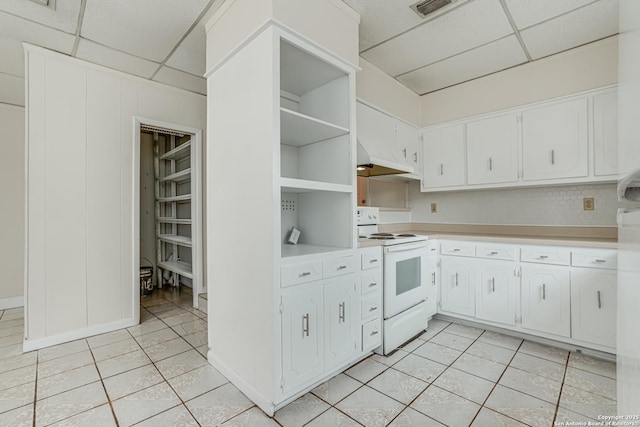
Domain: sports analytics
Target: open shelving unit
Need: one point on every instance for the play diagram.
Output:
(316, 173)
(173, 176)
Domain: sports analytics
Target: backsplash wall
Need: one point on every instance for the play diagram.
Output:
(522, 206)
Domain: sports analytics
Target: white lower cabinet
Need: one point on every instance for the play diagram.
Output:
(371, 298)
(457, 287)
(341, 321)
(593, 306)
(546, 300)
(496, 291)
(302, 336)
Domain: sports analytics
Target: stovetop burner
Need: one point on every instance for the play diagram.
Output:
(385, 237)
(383, 234)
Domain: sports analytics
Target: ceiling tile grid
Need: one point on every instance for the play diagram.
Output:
(182, 80)
(61, 15)
(484, 60)
(146, 28)
(526, 13)
(93, 52)
(474, 24)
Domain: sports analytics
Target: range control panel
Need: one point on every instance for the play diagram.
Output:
(367, 215)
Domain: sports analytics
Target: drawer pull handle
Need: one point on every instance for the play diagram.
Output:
(441, 169)
(305, 325)
(374, 308)
(456, 250)
(544, 291)
(553, 157)
(373, 333)
(599, 300)
(342, 267)
(306, 273)
(490, 164)
(372, 284)
(493, 284)
(543, 257)
(493, 253)
(456, 279)
(433, 278)
(371, 261)
(601, 260)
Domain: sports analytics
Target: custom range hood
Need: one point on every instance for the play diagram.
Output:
(373, 161)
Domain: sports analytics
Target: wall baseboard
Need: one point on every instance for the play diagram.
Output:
(12, 302)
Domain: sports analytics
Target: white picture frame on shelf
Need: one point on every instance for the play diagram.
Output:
(294, 236)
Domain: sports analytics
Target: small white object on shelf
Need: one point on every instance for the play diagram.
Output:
(294, 236)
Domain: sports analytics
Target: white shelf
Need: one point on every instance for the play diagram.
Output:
(182, 268)
(176, 239)
(305, 249)
(183, 221)
(181, 176)
(180, 152)
(293, 185)
(299, 129)
(181, 198)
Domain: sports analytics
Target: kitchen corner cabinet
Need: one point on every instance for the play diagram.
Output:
(555, 141)
(496, 292)
(443, 157)
(492, 150)
(457, 291)
(593, 306)
(546, 299)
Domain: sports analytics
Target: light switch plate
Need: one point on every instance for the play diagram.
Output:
(434, 208)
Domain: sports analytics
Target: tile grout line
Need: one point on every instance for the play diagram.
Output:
(35, 389)
(566, 366)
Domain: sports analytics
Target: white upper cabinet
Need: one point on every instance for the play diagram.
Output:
(443, 157)
(408, 144)
(605, 133)
(555, 141)
(492, 150)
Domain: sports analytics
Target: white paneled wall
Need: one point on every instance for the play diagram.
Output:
(12, 175)
(81, 196)
(560, 205)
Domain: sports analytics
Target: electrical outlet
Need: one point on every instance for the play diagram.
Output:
(434, 208)
(588, 204)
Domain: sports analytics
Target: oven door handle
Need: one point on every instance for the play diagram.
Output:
(405, 247)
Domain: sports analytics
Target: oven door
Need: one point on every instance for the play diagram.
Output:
(405, 281)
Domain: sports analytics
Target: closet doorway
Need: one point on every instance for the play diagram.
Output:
(168, 209)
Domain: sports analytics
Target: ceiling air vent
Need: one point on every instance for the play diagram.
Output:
(426, 7)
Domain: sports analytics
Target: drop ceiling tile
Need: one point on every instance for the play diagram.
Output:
(11, 89)
(15, 28)
(475, 63)
(64, 17)
(582, 26)
(383, 19)
(182, 80)
(190, 56)
(12, 56)
(526, 13)
(98, 54)
(469, 26)
(145, 28)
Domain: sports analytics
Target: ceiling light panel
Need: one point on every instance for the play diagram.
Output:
(590, 23)
(145, 28)
(487, 59)
(474, 24)
(383, 19)
(64, 17)
(526, 13)
(98, 54)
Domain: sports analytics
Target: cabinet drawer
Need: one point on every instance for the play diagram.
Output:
(370, 281)
(300, 273)
(432, 247)
(371, 306)
(557, 256)
(371, 334)
(458, 248)
(338, 266)
(496, 252)
(595, 258)
(371, 259)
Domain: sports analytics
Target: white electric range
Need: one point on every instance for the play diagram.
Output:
(404, 279)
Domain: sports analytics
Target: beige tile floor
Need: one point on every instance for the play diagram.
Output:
(156, 374)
